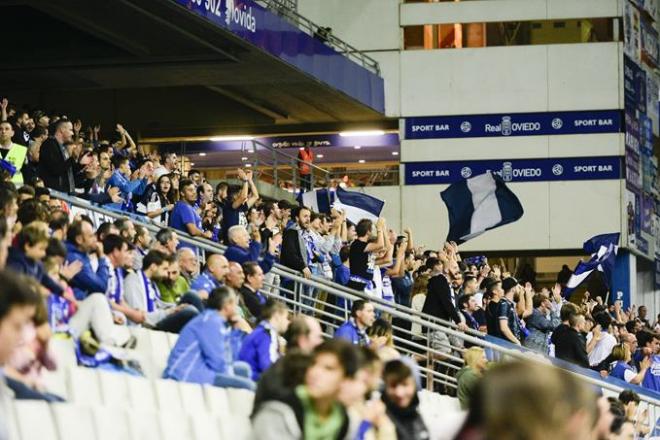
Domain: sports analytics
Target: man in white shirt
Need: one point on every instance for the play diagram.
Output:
(141, 295)
(602, 341)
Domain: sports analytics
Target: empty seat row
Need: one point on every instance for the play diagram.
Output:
(64, 421)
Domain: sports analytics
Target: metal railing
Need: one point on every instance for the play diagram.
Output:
(439, 357)
(281, 169)
(284, 9)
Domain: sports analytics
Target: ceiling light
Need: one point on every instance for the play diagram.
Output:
(320, 156)
(244, 158)
(357, 147)
(395, 153)
(362, 133)
(248, 165)
(192, 164)
(202, 154)
(361, 161)
(239, 137)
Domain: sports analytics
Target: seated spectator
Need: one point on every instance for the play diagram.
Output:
(262, 347)
(207, 349)
(468, 377)
(142, 296)
(544, 319)
(526, 391)
(126, 229)
(602, 341)
(241, 249)
(167, 241)
(184, 217)
(467, 304)
(253, 299)
(121, 178)
(141, 244)
(570, 345)
(81, 244)
(314, 405)
(27, 256)
(24, 370)
(217, 268)
(621, 368)
(302, 337)
(355, 329)
(188, 264)
(174, 287)
(402, 403)
(17, 306)
(381, 336)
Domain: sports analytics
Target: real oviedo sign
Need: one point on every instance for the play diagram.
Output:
(515, 124)
(234, 13)
(523, 170)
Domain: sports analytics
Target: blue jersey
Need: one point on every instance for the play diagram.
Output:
(182, 215)
(652, 377)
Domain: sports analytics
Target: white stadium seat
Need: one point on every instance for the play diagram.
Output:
(111, 423)
(240, 401)
(64, 351)
(217, 400)
(160, 350)
(114, 388)
(192, 397)
(175, 425)
(83, 386)
(168, 397)
(55, 381)
(235, 428)
(205, 427)
(73, 422)
(141, 393)
(144, 425)
(34, 420)
(12, 427)
(171, 339)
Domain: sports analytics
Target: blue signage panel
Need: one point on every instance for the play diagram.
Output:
(273, 34)
(514, 124)
(515, 170)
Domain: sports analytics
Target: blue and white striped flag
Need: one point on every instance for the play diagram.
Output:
(603, 249)
(318, 200)
(358, 206)
(478, 204)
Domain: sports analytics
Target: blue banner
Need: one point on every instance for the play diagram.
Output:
(277, 36)
(514, 124)
(515, 170)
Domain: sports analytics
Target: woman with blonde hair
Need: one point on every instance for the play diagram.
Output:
(468, 377)
(621, 368)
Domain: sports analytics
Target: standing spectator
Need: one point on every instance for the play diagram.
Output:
(468, 377)
(262, 347)
(354, 330)
(362, 259)
(294, 249)
(121, 178)
(11, 152)
(468, 306)
(569, 344)
(641, 315)
(58, 158)
(544, 319)
(510, 327)
(602, 341)
(305, 159)
(237, 203)
(158, 202)
(184, 217)
(207, 349)
(168, 165)
(313, 405)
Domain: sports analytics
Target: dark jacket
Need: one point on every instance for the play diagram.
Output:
(294, 253)
(55, 169)
(570, 345)
(408, 421)
(19, 262)
(438, 300)
(240, 255)
(254, 301)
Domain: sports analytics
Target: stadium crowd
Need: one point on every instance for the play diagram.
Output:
(63, 275)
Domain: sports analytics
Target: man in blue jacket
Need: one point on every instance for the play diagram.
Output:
(81, 242)
(207, 349)
(242, 250)
(261, 348)
(355, 329)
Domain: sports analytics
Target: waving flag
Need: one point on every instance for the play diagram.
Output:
(318, 200)
(358, 206)
(478, 204)
(603, 249)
